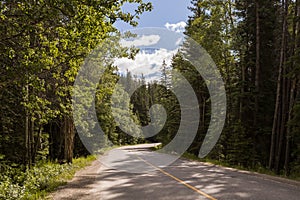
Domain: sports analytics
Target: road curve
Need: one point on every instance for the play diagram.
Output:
(182, 180)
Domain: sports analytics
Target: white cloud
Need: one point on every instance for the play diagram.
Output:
(178, 27)
(144, 40)
(147, 64)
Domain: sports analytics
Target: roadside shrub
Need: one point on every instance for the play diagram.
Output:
(33, 183)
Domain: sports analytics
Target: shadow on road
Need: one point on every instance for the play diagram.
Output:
(100, 182)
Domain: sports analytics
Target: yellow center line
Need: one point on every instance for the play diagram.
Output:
(179, 180)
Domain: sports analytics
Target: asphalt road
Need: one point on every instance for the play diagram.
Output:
(135, 173)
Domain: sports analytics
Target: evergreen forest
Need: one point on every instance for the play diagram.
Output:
(43, 43)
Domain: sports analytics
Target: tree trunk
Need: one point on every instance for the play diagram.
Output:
(282, 121)
(288, 134)
(31, 141)
(27, 130)
(277, 123)
(257, 64)
(292, 98)
(69, 134)
(49, 128)
(37, 143)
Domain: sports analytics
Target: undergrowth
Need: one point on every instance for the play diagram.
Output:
(258, 169)
(35, 183)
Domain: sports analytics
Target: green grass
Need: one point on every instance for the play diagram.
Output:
(37, 182)
(62, 178)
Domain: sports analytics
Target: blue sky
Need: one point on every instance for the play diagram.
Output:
(164, 11)
(170, 14)
(157, 45)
